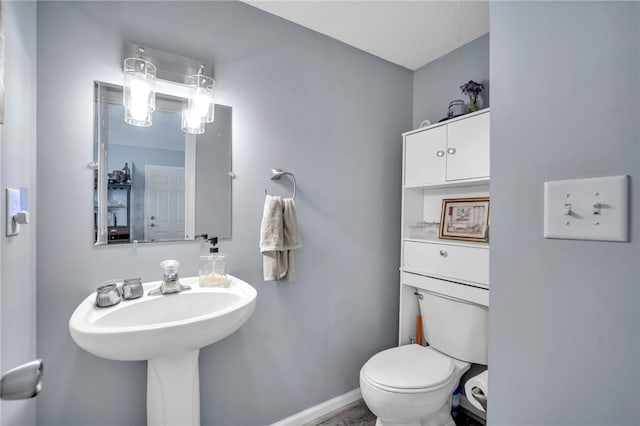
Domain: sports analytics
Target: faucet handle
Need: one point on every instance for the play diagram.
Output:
(108, 294)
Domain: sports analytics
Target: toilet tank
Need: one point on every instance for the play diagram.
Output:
(455, 326)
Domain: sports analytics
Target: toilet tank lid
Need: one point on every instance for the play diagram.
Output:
(409, 367)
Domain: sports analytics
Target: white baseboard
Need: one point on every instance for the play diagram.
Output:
(321, 409)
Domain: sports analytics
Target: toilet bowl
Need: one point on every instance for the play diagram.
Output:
(411, 385)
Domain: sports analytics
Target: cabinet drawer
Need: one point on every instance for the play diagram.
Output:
(447, 261)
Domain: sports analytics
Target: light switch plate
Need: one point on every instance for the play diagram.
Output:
(12, 207)
(587, 209)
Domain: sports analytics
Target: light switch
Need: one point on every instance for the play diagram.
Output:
(13, 207)
(587, 209)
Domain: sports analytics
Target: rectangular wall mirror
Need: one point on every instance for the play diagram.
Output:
(158, 183)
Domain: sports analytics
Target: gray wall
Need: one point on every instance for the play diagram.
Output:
(438, 83)
(564, 341)
(302, 102)
(18, 168)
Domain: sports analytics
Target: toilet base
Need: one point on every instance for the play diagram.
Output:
(441, 418)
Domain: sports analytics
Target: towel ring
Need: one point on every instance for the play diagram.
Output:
(276, 174)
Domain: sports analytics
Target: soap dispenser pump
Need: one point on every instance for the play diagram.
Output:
(213, 268)
(213, 241)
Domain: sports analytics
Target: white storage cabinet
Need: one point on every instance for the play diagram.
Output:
(451, 151)
(445, 160)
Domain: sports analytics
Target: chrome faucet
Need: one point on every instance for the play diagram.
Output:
(170, 281)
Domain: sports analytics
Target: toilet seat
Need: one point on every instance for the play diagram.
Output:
(409, 369)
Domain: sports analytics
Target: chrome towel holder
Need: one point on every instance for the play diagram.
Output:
(276, 174)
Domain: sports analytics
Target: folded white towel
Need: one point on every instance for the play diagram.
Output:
(291, 233)
(271, 238)
(291, 237)
(279, 236)
(272, 231)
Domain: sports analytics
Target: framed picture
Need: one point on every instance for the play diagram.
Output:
(465, 219)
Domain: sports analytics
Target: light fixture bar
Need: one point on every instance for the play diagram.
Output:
(169, 67)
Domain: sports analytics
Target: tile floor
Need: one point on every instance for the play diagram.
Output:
(357, 414)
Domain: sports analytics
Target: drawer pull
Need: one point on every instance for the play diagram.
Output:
(443, 253)
(440, 153)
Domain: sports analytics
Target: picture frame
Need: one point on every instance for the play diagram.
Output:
(465, 219)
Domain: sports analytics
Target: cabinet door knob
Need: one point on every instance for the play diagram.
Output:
(152, 217)
(440, 153)
(153, 225)
(443, 253)
(451, 151)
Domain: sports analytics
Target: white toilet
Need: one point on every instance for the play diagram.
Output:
(411, 385)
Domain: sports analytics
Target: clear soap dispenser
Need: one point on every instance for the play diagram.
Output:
(213, 267)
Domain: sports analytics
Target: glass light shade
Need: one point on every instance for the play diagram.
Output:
(191, 122)
(136, 116)
(202, 100)
(139, 95)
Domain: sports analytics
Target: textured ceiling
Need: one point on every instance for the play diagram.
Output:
(407, 33)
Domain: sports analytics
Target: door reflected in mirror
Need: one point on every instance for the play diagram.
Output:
(158, 183)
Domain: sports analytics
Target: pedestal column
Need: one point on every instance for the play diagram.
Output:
(173, 390)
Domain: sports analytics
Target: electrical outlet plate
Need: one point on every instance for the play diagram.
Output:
(587, 209)
(12, 208)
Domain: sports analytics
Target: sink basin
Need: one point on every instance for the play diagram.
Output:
(152, 326)
(168, 331)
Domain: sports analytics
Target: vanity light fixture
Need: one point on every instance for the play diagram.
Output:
(201, 104)
(191, 122)
(139, 96)
(176, 76)
(202, 100)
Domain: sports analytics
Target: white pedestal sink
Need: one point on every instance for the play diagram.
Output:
(167, 331)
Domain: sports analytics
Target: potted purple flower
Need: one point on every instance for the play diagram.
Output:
(472, 89)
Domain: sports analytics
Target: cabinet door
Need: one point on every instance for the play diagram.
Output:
(424, 157)
(468, 148)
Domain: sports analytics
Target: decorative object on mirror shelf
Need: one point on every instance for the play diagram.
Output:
(177, 74)
(465, 219)
(424, 230)
(472, 89)
(127, 173)
(116, 176)
(456, 108)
